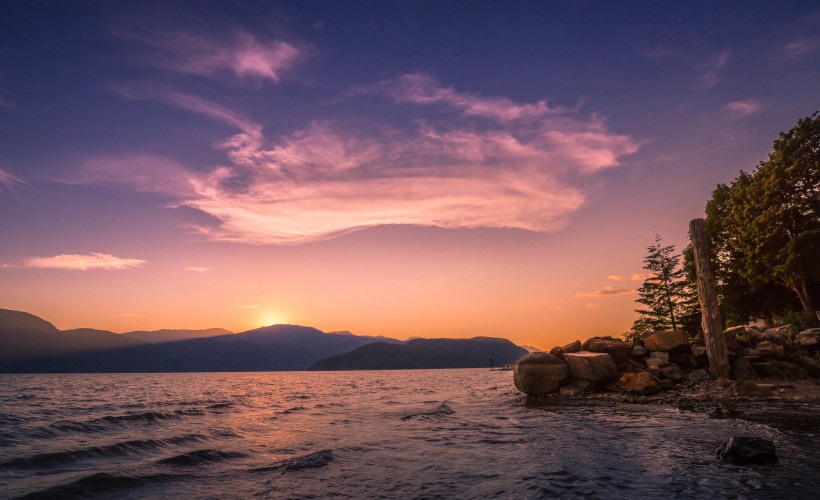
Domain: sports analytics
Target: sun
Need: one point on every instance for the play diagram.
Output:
(269, 318)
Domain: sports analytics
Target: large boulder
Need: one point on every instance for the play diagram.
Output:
(780, 335)
(769, 348)
(780, 369)
(811, 365)
(617, 349)
(572, 347)
(539, 373)
(642, 383)
(595, 367)
(672, 340)
(747, 450)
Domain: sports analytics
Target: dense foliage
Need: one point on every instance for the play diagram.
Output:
(764, 229)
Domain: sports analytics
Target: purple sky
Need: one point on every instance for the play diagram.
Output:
(396, 168)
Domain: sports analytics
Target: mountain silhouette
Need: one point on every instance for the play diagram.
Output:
(425, 353)
(167, 335)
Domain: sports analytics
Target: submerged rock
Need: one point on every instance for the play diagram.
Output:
(641, 383)
(722, 412)
(666, 341)
(591, 366)
(747, 450)
(539, 373)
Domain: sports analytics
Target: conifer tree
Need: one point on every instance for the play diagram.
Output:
(665, 293)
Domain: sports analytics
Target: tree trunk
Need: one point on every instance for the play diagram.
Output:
(805, 301)
(707, 296)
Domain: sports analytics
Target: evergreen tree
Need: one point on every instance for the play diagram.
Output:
(665, 293)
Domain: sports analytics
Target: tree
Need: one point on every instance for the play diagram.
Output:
(665, 292)
(766, 225)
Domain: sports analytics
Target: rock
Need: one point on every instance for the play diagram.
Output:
(747, 450)
(811, 365)
(742, 369)
(639, 351)
(572, 347)
(571, 390)
(539, 373)
(780, 335)
(741, 334)
(663, 356)
(699, 350)
(642, 383)
(617, 349)
(809, 339)
(683, 360)
(748, 388)
(672, 372)
(769, 348)
(558, 352)
(780, 369)
(637, 341)
(666, 341)
(591, 366)
(722, 412)
(654, 363)
(698, 375)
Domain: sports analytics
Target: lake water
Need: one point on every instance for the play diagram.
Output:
(391, 434)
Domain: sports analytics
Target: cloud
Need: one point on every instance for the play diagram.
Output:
(742, 109)
(710, 74)
(4, 103)
(84, 262)
(799, 46)
(240, 53)
(641, 277)
(606, 291)
(592, 306)
(8, 182)
(247, 307)
(478, 165)
(615, 277)
(197, 269)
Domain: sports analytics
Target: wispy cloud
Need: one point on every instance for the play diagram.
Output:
(592, 306)
(615, 277)
(5, 103)
(479, 165)
(197, 269)
(710, 70)
(607, 291)
(247, 307)
(742, 109)
(8, 182)
(240, 53)
(800, 46)
(641, 276)
(84, 262)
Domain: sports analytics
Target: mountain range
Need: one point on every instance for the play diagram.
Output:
(29, 344)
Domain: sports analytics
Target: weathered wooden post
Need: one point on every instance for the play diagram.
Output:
(707, 295)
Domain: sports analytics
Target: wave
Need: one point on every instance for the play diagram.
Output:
(316, 459)
(56, 459)
(199, 457)
(101, 483)
(442, 409)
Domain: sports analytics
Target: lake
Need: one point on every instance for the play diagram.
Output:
(393, 434)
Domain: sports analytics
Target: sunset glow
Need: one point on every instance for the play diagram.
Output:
(422, 171)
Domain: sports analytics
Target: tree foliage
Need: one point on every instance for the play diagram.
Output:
(764, 229)
(665, 293)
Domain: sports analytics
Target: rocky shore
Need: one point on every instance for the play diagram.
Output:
(667, 367)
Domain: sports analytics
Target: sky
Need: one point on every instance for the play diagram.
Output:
(415, 168)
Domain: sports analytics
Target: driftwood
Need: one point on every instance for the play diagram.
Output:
(707, 295)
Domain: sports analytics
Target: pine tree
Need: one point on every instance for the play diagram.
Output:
(665, 293)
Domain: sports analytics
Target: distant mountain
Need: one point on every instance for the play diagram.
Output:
(160, 336)
(29, 344)
(425, 353)
(531, 348)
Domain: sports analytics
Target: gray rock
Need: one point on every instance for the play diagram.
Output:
(639, 351)
(811, 365)
(557, 351)
(769, 348)
(672, 372)
(666, 341)
(656, 362)
(747, 450)
(592, 366)
(780, 335)
(809, 339)
(663, 356)
(539, 373)
(571, 390)
(780, 369)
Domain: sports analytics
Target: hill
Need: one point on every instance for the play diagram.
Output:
(425, 353)
(167, 335)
